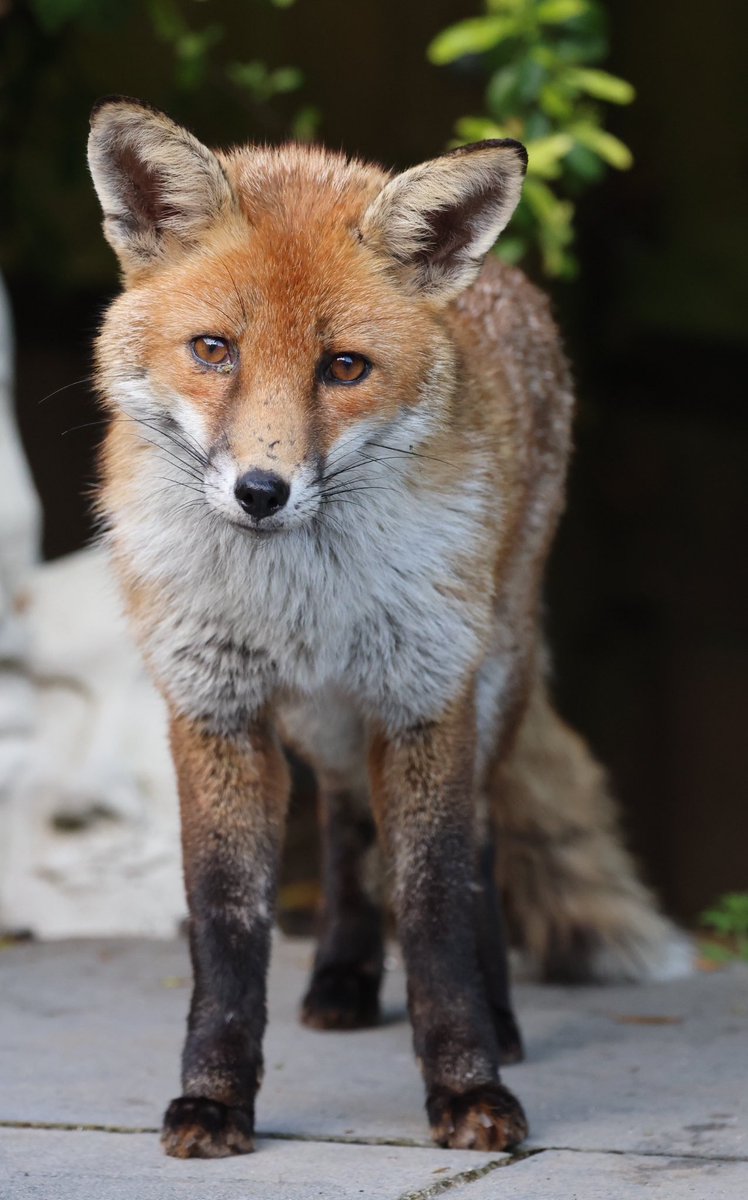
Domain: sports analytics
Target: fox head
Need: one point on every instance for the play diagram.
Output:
(285, 308)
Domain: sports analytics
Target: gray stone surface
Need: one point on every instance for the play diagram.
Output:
(563, 1175)
(91, 1033)
(103, 1166)
(625, 1088)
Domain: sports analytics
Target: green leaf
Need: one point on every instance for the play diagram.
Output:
(474, 36)
(556, 102)
(583, 164)
(554, 219)
(555, 12)
(600, 84)
(285, 79)
(532, 75)
(729, 915)
(306, 123)
(715, 953)
(251, 76)
(546, 206)
(536, 126)
(607, 147)
(477, 129)
(512, 249)
(167, 20)
(502, 87)
(53, 15)
(545, 155)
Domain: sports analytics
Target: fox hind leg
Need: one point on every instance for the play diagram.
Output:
(343, 991)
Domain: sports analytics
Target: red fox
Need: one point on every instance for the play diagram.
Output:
(336, 458)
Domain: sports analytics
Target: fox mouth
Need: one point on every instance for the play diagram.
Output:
(257, 531)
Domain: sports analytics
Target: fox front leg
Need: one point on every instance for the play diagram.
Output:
(233, 794)
(422, 784)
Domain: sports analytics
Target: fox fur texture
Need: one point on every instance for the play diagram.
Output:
(336, 458)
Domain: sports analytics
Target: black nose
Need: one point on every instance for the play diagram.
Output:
(261, 493)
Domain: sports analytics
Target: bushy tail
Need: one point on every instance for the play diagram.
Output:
(574, 902)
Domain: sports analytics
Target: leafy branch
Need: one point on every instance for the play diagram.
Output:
(544, 90)
(194, 50)
(728, 919)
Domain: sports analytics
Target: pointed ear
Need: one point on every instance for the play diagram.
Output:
(157, 185)
(438, 221)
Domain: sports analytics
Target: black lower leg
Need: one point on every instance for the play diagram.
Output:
(493, 956)
(344, 989)
(233, 794)
(422, 785)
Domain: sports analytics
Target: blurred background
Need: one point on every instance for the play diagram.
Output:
(635, 220)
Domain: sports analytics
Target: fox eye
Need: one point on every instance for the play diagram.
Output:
(345, 368)
(213, 351)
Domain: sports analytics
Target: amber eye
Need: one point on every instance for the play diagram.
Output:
(214, 351)
(345, 368)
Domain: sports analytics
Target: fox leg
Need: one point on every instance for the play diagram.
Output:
(492, 943)
(233, 794)
(422, 782)
(343, 991)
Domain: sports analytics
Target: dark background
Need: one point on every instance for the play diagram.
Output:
(648, 585)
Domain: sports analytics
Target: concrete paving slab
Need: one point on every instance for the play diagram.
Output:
(54, 1165)
(588, 1176)
(90, 1034)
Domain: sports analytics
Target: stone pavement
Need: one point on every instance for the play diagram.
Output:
(631, 1091)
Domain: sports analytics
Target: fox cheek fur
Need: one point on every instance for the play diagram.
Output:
(335, 462)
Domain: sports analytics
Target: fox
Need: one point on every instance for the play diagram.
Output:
(338, 435)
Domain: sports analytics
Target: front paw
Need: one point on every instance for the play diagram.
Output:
(484, 1118)
(198, 1128)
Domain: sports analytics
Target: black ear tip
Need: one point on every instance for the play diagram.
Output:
(493, 144)
(519, 150)
(115, 101)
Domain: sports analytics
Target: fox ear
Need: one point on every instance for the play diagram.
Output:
(158, 185)
(438, 221)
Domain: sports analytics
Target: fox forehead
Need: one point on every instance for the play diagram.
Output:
(298, 185)
(287, 277)
(287, 260)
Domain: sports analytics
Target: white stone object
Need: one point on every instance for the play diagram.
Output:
(89, 835)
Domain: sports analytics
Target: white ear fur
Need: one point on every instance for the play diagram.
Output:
(157, 184)
(437, 221)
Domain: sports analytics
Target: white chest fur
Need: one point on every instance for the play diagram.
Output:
(371, 599)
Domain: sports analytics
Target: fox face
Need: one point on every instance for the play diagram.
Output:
(284, 310)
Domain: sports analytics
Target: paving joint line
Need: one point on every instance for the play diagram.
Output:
(688, 1154)
(467, 1177)
(406, 1143)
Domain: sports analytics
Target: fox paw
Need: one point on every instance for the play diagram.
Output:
(198, 1128)
(341, 997)
(485, 1118)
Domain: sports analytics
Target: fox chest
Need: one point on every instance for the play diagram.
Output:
(394, 632)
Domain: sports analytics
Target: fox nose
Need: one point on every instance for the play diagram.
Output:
(261, 493)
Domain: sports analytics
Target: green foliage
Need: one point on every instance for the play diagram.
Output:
(544, 90)
(213, 64)
(728, 918)
(194, 50)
